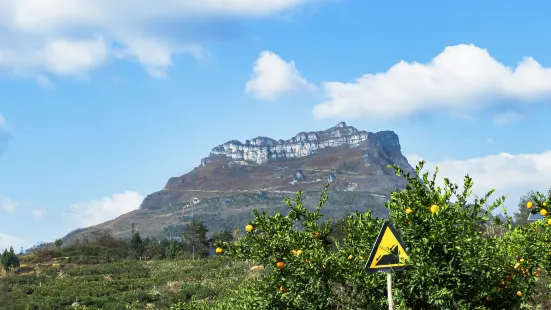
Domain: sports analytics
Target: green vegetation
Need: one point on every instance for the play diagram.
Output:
(126, 283)
(462, 258)
(9, 260)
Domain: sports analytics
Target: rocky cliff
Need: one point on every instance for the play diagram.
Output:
(262, 149)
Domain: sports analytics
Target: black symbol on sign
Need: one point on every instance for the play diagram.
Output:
(391, 258)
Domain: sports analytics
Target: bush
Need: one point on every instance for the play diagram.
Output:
(456, 264)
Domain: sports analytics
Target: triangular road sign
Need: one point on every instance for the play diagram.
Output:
(389, 252)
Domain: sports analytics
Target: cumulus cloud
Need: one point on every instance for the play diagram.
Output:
(461, 78)
(509, 174)
(9, 205)
(68, 37)
(6, 241)
(273, 77)
(89, 213)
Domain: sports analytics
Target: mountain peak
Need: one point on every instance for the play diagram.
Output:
(339, 125)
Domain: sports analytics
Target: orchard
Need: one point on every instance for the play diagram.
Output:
(458, 260)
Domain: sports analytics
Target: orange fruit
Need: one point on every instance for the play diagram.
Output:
(308, 261)
(521, 260)
(488, 298)
(280, 265)
(536, 274)
(549, 222)
(409, 222)
(298, 252)
(294, 252)
(434, 209)
(519, 294)
(529, 205)
(350, 257)
(219, 250)
(544, 204)
(316, 234)
(249, 228)
(517, 265)
(409, 211)
(543, 212)
(283, 289)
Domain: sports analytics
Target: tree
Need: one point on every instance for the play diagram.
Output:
(9, 259)
(58, 243)
(153, 249)
(225, 235)
(195, 239)
(5, 260)
(172, 250)
(521, 217)
(454, 265)
(14, 259)
(136, 244)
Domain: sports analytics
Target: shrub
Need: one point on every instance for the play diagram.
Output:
(456, 265)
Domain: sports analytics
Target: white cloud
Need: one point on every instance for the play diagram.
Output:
(507, 118)
(461, 78)
(61, 36)
(9, 205)
(86, 214)
(38, 213)
(72, 57)
(273, 77)
(511, 175)
(6, 241)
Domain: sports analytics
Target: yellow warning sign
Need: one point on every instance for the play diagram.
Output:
(388, 253)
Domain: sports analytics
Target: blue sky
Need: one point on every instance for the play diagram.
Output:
(101, 103)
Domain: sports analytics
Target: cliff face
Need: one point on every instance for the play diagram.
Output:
(262, 149)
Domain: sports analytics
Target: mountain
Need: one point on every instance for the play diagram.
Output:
(237, 177)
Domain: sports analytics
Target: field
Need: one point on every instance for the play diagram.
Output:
(143, 285)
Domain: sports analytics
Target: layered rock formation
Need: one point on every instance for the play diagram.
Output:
(262, 149)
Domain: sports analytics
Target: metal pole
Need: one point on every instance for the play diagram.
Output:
(193, 243)
(389, 289)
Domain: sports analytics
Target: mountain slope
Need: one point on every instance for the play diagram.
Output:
(259, 173)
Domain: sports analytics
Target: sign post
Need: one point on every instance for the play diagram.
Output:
(389, 289)
(388, 255)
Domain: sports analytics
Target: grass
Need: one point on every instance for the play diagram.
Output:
(153, 284)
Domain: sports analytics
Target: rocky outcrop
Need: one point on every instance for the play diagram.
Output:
(262, 149)
(356, 159)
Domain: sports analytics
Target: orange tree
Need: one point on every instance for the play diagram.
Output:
(455, 265)
(304, 267)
